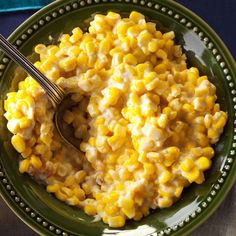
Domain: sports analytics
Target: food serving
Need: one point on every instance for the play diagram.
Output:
(145, 121)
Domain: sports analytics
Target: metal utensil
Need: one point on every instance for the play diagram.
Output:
(59, 99)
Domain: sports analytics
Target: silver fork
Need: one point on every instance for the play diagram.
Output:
(59, 99)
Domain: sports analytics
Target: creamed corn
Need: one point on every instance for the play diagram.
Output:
(146, 121)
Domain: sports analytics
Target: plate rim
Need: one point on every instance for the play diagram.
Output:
(208, 36)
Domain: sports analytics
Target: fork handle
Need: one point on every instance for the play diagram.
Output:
(54, 92)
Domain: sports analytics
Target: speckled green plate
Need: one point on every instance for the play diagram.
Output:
(48, 216)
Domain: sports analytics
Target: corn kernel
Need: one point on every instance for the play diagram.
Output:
(18, 143)
(193, 175)
(130, 59)
(68, 64)
(90, 210)
(165, 202)
(178, 191)
(53, 188)
(165, 177)
(203, 163)
(136, 16)
(24, 166)
(116, 221)
(36, 162)
(187, 165)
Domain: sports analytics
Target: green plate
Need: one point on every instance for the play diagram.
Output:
(48, 216)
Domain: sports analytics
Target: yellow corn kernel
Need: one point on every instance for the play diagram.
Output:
(138, 216)
(36, 162)
(92, 141)
(40, 48)
(208, 152)
(105, 45)
(61, 196)
(115, 142)
(18, 143)
(161, 53)
(138, 200)
(169, 35)
(80, 176)
(136, 16)
(187, 107)
(120, 186)
(111, 96)
(165, 177)
(134, 31)
(52, 49)
(178, 191)
(138, 86)
(200, 79)
(203, 163)
(174, 151)
(192, 77)
(82, 60)
(90, 210)
(220, 122)
(208, 121)
(210, 102)
(116, 221)
(70, 181)
(79, 193)
(74, 51)
(24, 122)
(67, 191)
(103, 130)
(53, 188)
(171, 156)
(90, 48)
(24, 166)
(144, 210)
(193, 175)
(200, 128)
(165, 202)
(162, 121)
(77, 35)
(144, 38)
(187, 165)
(112, 15)
(201, 91)
(212, 133)
(127, 207)
(68, 63)
(216, 108)
(200, 179)
(130, 59)
(53, 74)
(149, 168)
(165, 193)
(26, 153)
(73, 201)
(87, 188)
(64, 38)
(161, 68)
(105, 218)
(48, 63)
(153, 46)
(111, 210)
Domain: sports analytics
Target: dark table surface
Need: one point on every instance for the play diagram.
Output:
(220, 15)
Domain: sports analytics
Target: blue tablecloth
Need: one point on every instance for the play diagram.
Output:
(16, 5)
(220, 15)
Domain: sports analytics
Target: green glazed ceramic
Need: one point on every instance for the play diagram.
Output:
(48, 216)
